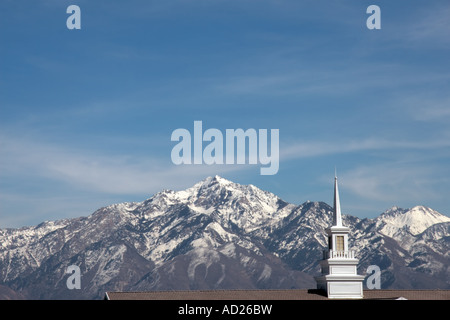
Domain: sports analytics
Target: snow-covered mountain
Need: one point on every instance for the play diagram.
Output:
(414, 221)
(216, 234)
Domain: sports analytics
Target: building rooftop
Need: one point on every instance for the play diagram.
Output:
(288, 294)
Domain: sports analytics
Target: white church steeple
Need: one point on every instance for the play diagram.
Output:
(337, 219)
(339, 278)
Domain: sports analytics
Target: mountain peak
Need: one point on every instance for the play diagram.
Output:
(244, 206)
(393, 212)
(415, 220)
(217, 179)
(212, 184)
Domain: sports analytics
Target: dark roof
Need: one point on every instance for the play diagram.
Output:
(288, 294)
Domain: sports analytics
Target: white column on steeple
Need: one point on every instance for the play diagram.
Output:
(337, 218)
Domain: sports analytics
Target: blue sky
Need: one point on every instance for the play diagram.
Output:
(86, 115)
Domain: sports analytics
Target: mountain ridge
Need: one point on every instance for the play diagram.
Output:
(216, 234)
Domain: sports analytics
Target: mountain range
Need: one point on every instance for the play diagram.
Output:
(216, 235)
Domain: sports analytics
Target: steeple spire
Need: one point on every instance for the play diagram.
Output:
(337, 219)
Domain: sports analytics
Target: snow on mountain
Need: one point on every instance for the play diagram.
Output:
(414, 220)
(247, 207)
(216, 234)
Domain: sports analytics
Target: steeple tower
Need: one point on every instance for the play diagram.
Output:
(337, 219)
(339, 278)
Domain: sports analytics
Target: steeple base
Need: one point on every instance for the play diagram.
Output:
(341, 287)
(339, 277)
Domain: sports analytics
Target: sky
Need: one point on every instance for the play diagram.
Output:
(86, 115)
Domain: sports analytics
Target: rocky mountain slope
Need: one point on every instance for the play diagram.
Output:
(215, 235)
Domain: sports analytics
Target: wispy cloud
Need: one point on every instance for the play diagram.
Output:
(42, 181)
(433, 25)
(112, 174)
(306, 149)
(393, 183)
(131, 174)
(425, 106)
